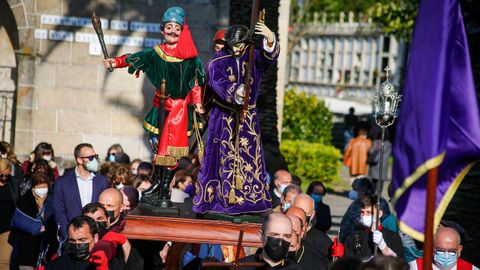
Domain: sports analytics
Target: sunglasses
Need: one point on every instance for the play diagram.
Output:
(5, 175)
(90, 158)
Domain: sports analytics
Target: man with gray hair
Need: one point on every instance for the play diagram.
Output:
(281, 179)
(288, 195)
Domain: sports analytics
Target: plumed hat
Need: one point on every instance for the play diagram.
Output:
(237, 34)
(173, 14)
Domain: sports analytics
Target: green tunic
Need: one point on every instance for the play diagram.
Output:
(181, 76)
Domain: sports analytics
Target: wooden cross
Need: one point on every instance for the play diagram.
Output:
(235, 264)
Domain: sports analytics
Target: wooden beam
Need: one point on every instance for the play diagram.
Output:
(190, 230)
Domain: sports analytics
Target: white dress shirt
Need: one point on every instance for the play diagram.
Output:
(85, 187)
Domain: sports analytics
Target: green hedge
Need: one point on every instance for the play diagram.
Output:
(312, 161)
(306, 118)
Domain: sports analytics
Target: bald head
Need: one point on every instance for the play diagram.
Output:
(111, 194)
(277, 225)
(447, 238)
(281, 178)
(297, 212)
(296, 232)
(302, 218)
(275, 220)
(305, 202)
(112, 200)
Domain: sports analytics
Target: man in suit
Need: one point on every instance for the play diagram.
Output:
(78, 187)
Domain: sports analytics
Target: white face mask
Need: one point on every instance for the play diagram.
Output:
(92, 166)
(40, 192)
(4, 155)
(134, 171)
(119, 186)
(367, 221)
(47, 157)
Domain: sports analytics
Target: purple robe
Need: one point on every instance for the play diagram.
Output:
(232, 178)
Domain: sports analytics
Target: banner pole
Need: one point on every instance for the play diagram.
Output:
(432, 177)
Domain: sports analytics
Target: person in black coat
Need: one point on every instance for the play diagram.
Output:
(317, 191)
(36, 203)
(9, 190)
(276, 238)
(366, 237)
(84, 250)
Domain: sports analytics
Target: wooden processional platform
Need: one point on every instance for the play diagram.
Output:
(145, 224)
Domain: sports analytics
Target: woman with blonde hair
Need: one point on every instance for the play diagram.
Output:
(6, 151)
(113, 150)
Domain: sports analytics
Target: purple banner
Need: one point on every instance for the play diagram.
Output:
(439, 123)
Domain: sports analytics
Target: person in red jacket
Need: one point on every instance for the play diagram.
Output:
(447, 250)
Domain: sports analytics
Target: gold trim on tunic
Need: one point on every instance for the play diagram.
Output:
(150, 128)
(177, 151)
(165, 160)
(165, 56)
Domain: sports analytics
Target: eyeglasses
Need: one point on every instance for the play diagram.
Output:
(453, 250)
(5, 176)
(90, 158)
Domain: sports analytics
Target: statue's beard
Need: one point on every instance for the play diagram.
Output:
(238, 49)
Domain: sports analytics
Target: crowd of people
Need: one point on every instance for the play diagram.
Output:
(72, 218)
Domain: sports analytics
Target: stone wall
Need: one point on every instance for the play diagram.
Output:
(65, 96)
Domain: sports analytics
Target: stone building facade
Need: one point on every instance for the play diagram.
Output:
(57, 89)
(343, 57)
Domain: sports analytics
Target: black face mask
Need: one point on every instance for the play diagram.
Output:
(292, 255)
(123, 213)
(102, 228)
(111, 216)
(79, 252)
(276, 248)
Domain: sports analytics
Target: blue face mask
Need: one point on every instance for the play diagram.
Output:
(92, 166)
(111, 158)
(444, 259)
(353, 195)
(316, 197)
(282, 188)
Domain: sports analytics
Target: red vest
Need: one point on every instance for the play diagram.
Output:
(461, 264)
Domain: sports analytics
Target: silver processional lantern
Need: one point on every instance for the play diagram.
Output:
(385, 103)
